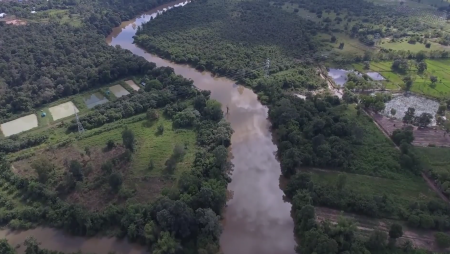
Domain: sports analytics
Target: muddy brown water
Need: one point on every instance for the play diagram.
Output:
(257, 220)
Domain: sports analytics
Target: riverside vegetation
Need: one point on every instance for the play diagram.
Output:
(151, 167)
(319, 131)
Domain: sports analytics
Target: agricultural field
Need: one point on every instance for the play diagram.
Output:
(421, 82)
(19, 125)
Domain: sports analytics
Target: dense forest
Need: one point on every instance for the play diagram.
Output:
(231, 39)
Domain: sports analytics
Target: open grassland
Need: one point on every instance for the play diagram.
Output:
(403, 191)
(405, 45)
(436, 162)
(421, 82)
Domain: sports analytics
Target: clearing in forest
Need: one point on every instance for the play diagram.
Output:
(118, 91)
(63, 110)
(133, 85)
(19, 125)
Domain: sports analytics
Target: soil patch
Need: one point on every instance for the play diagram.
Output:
(63, 110)
(132, 85)
(422, 136)
(19, 125)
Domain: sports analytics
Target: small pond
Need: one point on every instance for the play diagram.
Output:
(118, 91)
(401, 103)
(340, 75)
(94, 100)
(375, 76)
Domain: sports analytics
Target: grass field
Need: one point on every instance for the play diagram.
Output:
(404, 191)
(436, 161)
(404, 45)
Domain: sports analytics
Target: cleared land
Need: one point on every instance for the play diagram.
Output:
(19, 125)
(140, 181)
(63, 110)
(422, 137)
(132, 85)
(118, 91)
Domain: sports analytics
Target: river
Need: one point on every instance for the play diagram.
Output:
(257, 220)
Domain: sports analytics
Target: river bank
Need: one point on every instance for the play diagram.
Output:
(257, 220)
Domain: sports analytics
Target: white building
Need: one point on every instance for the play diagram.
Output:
(2, 15)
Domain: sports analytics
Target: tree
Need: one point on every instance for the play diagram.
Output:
(333, 39)
(366, 65)
(160, 129)
(421, 67)
(153, 84)
(213, 110)
(408, 83)
(442, 240)
(87, 150)
(115, 181)
(396, 231)
(342, 180)
(128, 139)
(409, 116)
(377, 240)
(400, 136)
(349, 97)
(433, 79)
(76, 169)
(150, 232)
(43, 168)
(424, 119)
(393, 112)
(167, 244)
(110, 144)
(152, 115)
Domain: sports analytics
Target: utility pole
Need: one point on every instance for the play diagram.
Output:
(80, 126)
(266, 68)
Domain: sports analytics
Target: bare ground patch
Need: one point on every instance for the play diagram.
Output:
(422, 136)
